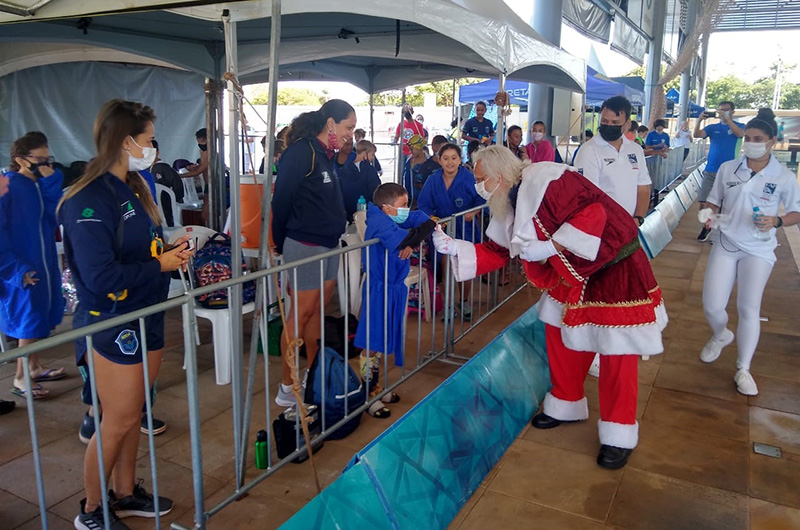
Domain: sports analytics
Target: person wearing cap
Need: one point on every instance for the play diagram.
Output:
(418, 157)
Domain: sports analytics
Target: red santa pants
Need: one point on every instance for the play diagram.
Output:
(618, 379)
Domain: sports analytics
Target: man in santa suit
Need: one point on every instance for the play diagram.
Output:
(582, 248)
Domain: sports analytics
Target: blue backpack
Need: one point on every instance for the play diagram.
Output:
(212, 264)
(334, 396)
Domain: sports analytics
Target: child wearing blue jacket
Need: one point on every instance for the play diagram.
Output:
(399, 231)
(31, 304)
(357, 176)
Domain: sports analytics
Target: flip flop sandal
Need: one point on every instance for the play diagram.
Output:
(38, 392)
(390, 397)
(51, 374)
(377, 410)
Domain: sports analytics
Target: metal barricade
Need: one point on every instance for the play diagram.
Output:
(425, 340)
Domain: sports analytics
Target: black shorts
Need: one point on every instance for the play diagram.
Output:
(121, 344)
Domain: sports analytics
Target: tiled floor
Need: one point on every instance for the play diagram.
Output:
(694, 467)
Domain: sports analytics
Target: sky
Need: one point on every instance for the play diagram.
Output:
(747, 55)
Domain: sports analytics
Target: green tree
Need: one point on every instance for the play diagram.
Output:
(259, 95)
(641, 71)
(416, 95)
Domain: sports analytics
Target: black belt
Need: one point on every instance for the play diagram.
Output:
(625, 251)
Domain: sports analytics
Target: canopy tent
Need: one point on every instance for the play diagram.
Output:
(674, 96)
(598, 89)
(377, 45)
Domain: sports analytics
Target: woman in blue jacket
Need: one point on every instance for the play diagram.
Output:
(31, 304)
(448, 191)
(114, 247)
(308, 218)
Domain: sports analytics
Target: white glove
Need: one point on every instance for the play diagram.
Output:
(444, 244)
(538, 250)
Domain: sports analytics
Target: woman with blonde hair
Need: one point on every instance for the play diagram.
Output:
(114, 246)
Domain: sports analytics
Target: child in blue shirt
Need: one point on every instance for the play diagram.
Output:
(658, 140)
(399, 231)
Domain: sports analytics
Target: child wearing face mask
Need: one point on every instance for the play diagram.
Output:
(399, 231)
(540, 149)
(31, 304)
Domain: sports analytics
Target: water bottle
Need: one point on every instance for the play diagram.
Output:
(758, 234)
(261, 450)
(362, 204)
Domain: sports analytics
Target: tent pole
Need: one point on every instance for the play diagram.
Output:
(235, 300)
(372, 117)
(500, 136)
(216, 170)
(398, 178)
(454, 99)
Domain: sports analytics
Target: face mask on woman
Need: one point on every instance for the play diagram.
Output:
(537, 136)
(402, 215)
(754, 150)
(146, 160)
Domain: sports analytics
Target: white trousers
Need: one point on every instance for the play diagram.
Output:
(728, 265)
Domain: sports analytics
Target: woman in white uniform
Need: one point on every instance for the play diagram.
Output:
(744, 242)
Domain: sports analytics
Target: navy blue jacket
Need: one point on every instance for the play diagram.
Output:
(28, 243)
(90, 219)
(307, 204)
(356, 182)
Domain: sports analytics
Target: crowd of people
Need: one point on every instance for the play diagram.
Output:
(575, 230)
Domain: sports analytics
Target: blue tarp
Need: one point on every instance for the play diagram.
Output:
(598, 89)
(694, 109)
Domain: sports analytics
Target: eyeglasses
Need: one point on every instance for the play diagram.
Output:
(42, 160)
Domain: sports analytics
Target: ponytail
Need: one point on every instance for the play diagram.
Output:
(312, 123)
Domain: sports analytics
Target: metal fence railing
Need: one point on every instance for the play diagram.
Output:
(664, 171)
(427, 339)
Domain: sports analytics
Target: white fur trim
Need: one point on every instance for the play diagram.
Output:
(577, 241)
(465, 261)
(565, 410)
(623, 340)
(535, 180)
(501, 230)
(550, 311)
(618, 434)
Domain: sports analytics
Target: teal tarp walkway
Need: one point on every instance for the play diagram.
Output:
(423, 469)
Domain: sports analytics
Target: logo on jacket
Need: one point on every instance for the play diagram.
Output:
(127, 342)
(769, 188)
(326, 177)
(609, 161)
(459, 202)
(634, 162)
(87, 213)
(127, 210)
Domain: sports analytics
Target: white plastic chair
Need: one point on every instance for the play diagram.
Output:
(191, 201)
(169, 230)
(220, 318)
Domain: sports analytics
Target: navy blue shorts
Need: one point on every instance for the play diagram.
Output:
(121, 344)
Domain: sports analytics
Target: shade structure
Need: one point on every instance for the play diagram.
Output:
(376, 45)
(598, 89)
(694, 109)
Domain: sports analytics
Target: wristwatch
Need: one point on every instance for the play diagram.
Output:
(780, 222)
(639, 219)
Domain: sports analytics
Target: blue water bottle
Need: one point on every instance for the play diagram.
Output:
(362, 204)
(758, 234)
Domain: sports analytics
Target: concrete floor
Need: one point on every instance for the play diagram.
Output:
(694, 467)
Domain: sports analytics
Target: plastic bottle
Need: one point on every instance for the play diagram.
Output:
(261, 450)
(758, 234)
(362, 204)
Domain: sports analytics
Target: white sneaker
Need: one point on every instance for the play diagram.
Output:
(713, 347)
(283, 398)
(594, 369)
(745, 383)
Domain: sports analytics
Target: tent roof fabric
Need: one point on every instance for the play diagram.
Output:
(437, 38)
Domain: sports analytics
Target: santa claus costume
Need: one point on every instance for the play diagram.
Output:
(600, 295)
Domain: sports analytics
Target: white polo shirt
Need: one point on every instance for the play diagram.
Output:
(618, 173)
(737, 190)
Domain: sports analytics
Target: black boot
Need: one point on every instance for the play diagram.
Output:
(611, 457)
(543, 421)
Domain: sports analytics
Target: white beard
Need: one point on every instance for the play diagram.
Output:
(499, 205)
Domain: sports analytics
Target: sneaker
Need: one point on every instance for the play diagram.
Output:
(713, 347)
(94, 520)
(594, 369)
(466, 312)
(285, 398)
(140, 504)
(745, 383)
(704, 235)
(86, 431)
(158, 426)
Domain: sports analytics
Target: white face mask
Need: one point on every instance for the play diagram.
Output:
(147, 159)
(480, 188)
(754, 150)
(537, 136)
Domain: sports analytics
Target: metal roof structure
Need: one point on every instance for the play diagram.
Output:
(748, 15)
